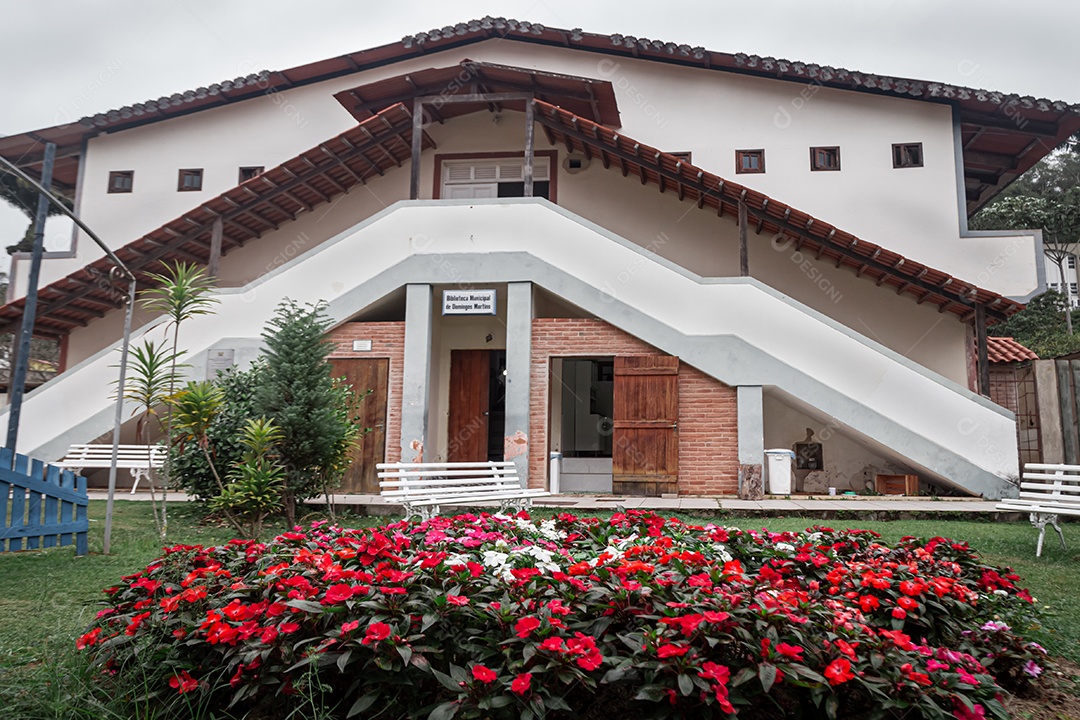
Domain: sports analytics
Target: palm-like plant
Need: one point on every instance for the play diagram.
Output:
(182, 292)
(257, 480)
(151, 373)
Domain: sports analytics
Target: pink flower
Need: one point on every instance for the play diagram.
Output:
(457, 600)
(483, 674)
(1032, 668)
(521, 683)
(348, 627)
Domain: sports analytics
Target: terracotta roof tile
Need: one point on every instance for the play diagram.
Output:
(1007, 350)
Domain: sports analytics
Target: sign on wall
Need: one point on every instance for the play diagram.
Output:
(219, 361)
(468, 302)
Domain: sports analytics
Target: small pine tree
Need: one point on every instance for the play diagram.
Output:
(299, 394)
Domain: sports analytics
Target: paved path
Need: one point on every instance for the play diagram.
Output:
(805, 506)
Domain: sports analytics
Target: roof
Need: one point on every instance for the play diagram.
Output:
(383, 141)
(809, 234)
(587, 97)
(245, 212)
(1002, 134)
(1007, 350)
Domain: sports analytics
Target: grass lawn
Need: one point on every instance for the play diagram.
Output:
(47, 598)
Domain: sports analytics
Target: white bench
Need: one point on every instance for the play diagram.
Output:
(1046, 492)
(139, 459)
(422, 487)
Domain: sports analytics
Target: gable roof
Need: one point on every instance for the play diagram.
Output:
(383, 141)
(1007, 350)
(1002, 134)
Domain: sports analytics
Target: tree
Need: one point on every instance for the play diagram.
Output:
(22, 196)
(301, 397)
(1046, 197)
(1041, 326)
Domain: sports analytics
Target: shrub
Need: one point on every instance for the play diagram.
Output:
(499, 616)
(190, 470)
(300, 395)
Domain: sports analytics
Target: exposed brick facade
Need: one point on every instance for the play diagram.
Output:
(708, 433)
(387, 341)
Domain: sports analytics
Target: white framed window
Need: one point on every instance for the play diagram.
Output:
(1072, 262)
(494, 178)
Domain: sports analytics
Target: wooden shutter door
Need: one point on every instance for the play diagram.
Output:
(365, 374)
(645, 444)
(467, 429)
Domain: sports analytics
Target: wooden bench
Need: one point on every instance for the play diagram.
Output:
(139, 459)
(1046, 492)
(422, 487)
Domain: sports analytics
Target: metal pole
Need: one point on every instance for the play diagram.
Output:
(17, 380)
(119, 416)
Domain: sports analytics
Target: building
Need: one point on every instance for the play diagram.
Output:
(656, 259)
(1053, 278)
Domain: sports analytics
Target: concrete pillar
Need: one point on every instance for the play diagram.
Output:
(1046, 389)
(751, 442)
(416, 381)
(519, 316)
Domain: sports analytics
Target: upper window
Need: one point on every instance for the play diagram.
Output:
(120, 181)
(190, 180)
(749, 161)
(685, 155)
(825, 158)
(907, 155)
(1072, 262)
(246, 173)
(496, 178)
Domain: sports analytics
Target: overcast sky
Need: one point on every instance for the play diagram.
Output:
(65, 60)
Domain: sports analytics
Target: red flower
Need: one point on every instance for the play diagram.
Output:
(376, 632)
(289, 627)
(580, 568)
(458, 600)
(90, 638)
(348, 627)
(713, 671)
(521, 683)
(183, 682)
(670, 650)
(790, 651)
(483, 674)
(525, 626)
(839, 671)
(869, 603)
(554, 644)
(907, 603)
(338, 593)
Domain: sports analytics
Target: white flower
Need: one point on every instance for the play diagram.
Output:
(495, 559)
(784, 547)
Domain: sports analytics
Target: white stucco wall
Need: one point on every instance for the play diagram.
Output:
(913, 211)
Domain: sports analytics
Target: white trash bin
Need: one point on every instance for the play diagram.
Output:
(780, 462)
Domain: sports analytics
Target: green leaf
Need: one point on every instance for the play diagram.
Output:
(344, 660)
(653, 693)
(555, 702)
(447, 682)
(445, 711)
(686, 685)
(362, 704)
(405, 652)
(306, 606)
(767, 674)
(743, 676)
(831, 706)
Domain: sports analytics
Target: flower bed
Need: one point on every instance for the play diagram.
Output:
(636, 616)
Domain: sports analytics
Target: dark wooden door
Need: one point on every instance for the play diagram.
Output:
(645, 442)
(365, 374)
(467, 431)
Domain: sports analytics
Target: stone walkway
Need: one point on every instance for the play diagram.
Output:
(876, 507)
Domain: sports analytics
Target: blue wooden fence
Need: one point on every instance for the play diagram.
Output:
(40, 505)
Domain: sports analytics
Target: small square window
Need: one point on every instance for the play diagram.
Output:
(246, 173)
(686, 156)
(120, 181)
(1072, 288)
(749, 161)
(1072, 262)
(907, 155)
(190, 180)
(825, 158)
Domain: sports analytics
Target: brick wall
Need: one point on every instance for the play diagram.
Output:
(708, 441)
(387, 341)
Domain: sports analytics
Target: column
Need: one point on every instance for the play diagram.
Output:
(519, 316)
(751, 442)
(416, 379)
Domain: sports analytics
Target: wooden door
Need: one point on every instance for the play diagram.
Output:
(470, 380)
(645, 442)
(365, 374)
